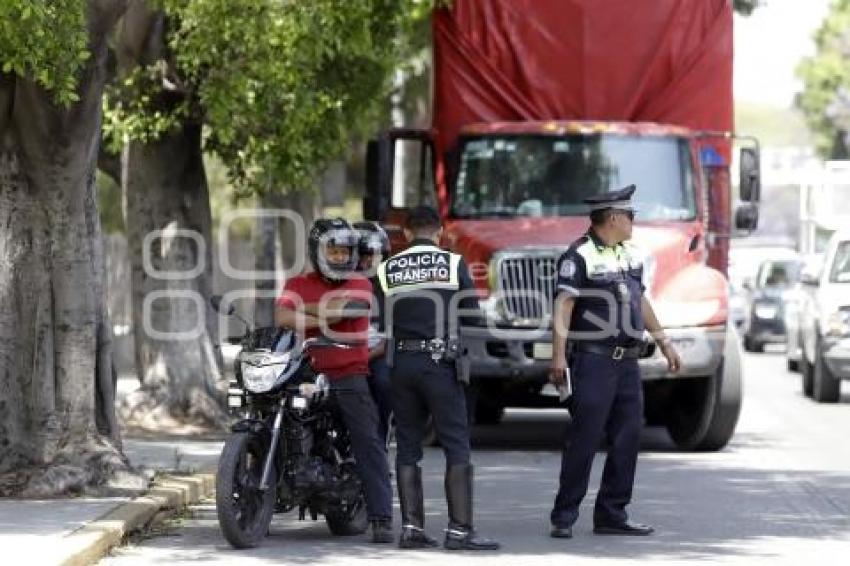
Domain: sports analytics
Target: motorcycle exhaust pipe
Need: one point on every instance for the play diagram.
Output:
(267, 466)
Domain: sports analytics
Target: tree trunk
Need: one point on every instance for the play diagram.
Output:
(306, 205)
(58, 431)
(165, 190)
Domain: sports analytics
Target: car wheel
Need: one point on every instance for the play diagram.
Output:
(808, 376)
(826, 388)
(752, 345)
(793, 365)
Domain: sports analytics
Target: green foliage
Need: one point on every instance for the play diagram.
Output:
(45, 40)
(109, 204)
(280, 85)
(825, 99)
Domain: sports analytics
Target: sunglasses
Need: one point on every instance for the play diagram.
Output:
(630, 214)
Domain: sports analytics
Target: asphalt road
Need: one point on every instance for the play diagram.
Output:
(779, 494)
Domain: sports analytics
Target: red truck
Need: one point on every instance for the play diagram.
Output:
(538, 104)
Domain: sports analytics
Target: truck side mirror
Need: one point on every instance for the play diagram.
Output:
(750, 179)
(747, 216)
(379, 156)
(810, 279)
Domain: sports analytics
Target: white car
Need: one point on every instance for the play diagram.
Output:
(795, 302)
(825, 324)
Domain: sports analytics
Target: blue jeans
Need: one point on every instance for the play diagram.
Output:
(360, 416)
(379, 385)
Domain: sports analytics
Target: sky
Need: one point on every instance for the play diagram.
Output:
(769, 44)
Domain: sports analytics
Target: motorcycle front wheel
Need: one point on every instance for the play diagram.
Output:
(244, 512)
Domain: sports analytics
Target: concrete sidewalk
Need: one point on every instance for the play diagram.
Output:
(81, 530)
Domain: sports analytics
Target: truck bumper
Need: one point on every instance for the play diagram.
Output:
(511, 353)
(837, 358)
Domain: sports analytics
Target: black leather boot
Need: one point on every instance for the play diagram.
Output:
(409, 480)
(382, 531)
(461, 535)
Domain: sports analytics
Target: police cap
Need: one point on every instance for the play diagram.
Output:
(619, 199)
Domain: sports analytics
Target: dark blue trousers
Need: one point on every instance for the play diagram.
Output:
(360, 416)
(607, 400)
(379, 385)
(421, 387)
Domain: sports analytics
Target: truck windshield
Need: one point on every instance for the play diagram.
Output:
(508, 176)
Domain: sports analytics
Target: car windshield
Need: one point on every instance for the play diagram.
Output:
(509, 176)
(778, 273)
(840, 272)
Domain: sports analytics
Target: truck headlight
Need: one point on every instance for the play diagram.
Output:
(765, 311)
(838, 323)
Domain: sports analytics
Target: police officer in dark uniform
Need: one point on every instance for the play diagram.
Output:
(373, 248)
(601, 308)
(421, 290)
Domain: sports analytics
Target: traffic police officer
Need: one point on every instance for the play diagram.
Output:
(600, 301)
(421, 290)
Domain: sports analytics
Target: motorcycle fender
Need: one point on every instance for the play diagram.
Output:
(251, 425)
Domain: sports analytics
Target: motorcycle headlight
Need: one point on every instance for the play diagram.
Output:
(259, 379)
(838, 323)
(765, 311)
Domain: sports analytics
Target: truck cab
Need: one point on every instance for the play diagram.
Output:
(512, 203)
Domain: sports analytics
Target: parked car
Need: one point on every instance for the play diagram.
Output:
(796, 303)
(825, 324)
(765, 319)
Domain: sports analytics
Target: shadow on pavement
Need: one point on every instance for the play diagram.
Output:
(739, 512)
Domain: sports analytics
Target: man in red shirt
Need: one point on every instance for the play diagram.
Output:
(312, 304)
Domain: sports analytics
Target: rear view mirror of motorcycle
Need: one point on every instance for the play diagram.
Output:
(215, 301)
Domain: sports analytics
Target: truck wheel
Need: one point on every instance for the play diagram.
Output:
(704, 411)
(826, 389)
(488, 414)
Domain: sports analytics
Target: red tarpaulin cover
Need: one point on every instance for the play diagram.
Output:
(667, 61)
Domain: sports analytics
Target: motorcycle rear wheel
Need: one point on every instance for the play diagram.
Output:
(244, 512)
(348, 520)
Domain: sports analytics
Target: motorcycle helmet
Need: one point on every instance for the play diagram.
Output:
(332, 232)
(373, 239)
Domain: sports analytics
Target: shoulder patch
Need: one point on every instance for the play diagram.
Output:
(568, 268)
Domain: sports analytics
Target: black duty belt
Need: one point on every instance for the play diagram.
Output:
(438, 348)
(614, 352)
(419, 344)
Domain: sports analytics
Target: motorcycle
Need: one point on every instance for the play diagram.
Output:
(288, 448)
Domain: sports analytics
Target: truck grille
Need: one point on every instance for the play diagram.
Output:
(527, 285)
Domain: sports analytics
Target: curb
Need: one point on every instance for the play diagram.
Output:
(92, 542)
